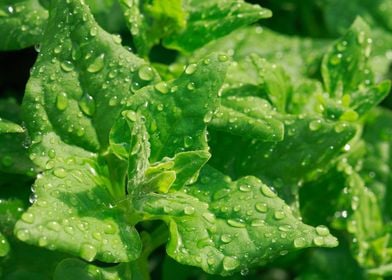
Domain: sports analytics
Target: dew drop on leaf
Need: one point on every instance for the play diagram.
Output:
(267, 191)
(28, 217)
(97, 65)
(236, 224)
(230, 263)
(66, 66)
(62, 101)
(60, 172)
(191, 86)
(261, 207)
(146, 73)
(88, 251)
(190, 69)
(162, 87)
(87, 104)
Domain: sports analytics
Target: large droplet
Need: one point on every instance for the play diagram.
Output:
(299, 242)
(60, 172)
(237, 224)
(162, 87)
(146, 73)
(62, 101)
(267, 191)
(322, 230)
(97, 65)
(261, 207)
(230, 263)
(88, 252)
(87, 104)
(190, 69)
(66, 66)
(226, 238)
(28, 217)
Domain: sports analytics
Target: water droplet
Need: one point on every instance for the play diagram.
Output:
(230, 263)
(335, 59)
(257, 223)
(206, 61)
(88, 252)
(28, 217)
(190, 69)
(237, 224)
(60, 172)
(97, 65)
(110, 228)
(226, 238)
(223, 58)
(299, 242)
(162, 87)
(191, 86)
(322, 230)
(188, 141)
(160, 107)
(318, 240)
(23, 234)
(146, 73)
(62, 101)
(87, 104)
(279, 215)
(53, 225)
(67, 66)
(341, 46)
(113, 101)
(97, 236)
(245, 188)
(340, 127)
(315, 125)
(267, 191)
(189, 210)
(261, 207)
(43, 241)
(52, 153)
(208, 116)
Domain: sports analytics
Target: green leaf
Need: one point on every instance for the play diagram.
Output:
(9, 127)
(21, 23)
(187, 25)
(250, 116)
(376, 170)
(309, 144)
(209, 20)
(129, 141)
(273, 81)
(346, 73)
(77, 269)
(81, 79)
(151, 21)
(176, 111)
(345, 65)
(174, 173)
(77, 208)
(211, 230)
(299, 57)
(13, 154)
